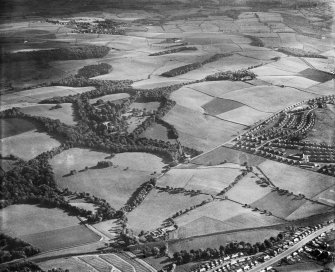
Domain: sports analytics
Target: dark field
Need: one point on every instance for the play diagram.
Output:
(219, 105)
(14, 126)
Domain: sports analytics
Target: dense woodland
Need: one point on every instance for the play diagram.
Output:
(239, 75)
(94, 70)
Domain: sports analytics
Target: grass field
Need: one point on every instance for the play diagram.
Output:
(214, 241)
(198, 131)
(38, 94)
(326, 88)
(220, 154)
(61, 238)
(36, 220)
(110, 97)
(218, 106)
(159, 206)
(295, 179)
(247, 190)
(64, 114)
(268, 99)
(209, 180)
(157, 131)
(220, 216)
(15, 126)
(244, 115)
(323, 130)
(72, 264)
(27, 145)
(327, 196)
(308, 209)
(190, 99)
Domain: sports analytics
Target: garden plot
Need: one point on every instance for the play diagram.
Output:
(38, 94)
(159, 206)
(208, 180)
(198, 131)
(218, 88)
(190, 99)
(244, 115)
(220, 216)
(27, 145)
(222, 154)
(110, 97)
(63, 114)
(295, 179)
(268, 98)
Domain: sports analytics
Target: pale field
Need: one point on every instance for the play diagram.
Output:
(290, 64)
(326, 65)
(36, 219)
(268, 98)
(247, 190)
(64, 114)
(244, 115)
(327, 197)
(38, 94)
(198, 131)
(289, 81)
(215, 241)
(208, 180)
(269, 70)
(110, 97)
(159, 206)
(295, 179)
(156, 82)
(191, 99)
(27, 145)
(108, 228)
(218, 88)
(320, 89)
(72, 263)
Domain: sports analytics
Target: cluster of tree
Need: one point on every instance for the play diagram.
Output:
(94, 70)
(104, 164)
(230, 248)
(139, 195)
(255, 41)
(190, 67)
(236, 180)
(297, 52)
(328, 170)
(64, 53)
(106, 26)
(14, 248)
(181, 212)
(239, 75)
(175, 50)
(155, 251)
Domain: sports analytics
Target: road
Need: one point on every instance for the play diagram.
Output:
(292, 249)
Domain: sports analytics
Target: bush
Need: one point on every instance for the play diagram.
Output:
(94, 70)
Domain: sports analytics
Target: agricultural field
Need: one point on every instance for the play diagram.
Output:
(209, 180)
(110, 97)
(15, 126)
(27, 145)
(73, 264)
(219, 216)
(63, 114)
(157, 131)
(295, 179)
(218, 106)
(115, 183)
(159, 206)
(327, 197)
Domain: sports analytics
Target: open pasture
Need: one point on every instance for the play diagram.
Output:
(309, 209)
(15, 126)
(221, 154)
(247, 190)
(72, 264)
(216, 240)
(231, 216)
(157, 82)
(38, 94)
(295, 179)
(208, 180)
(327, 196)
(198, 131)
(63, 114)
(268, 98)
(244, 115)
(298, 82)
(27, 145)
(190, 99)
(110, 97)
(159, 206)
(37, 220)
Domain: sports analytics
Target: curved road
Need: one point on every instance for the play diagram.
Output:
(292, 249)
